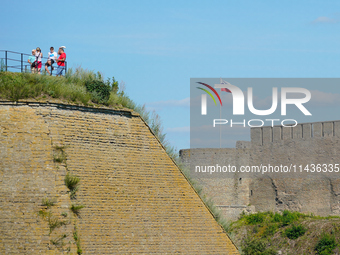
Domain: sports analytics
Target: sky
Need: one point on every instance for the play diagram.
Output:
(155, 47)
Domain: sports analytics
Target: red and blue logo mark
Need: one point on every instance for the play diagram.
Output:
(213, 90)
(239, 99)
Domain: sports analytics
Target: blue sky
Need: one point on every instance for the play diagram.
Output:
(155, 47)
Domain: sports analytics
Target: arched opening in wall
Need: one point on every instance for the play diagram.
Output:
(240, 181)
(251, 192)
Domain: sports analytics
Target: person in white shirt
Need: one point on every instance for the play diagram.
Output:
(52, 56)
(38, 57)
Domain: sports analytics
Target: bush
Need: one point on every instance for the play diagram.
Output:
(287, 217)
(295, 232)
(326, 245)
(255, 218)
(270, 230)
(256, 247)
(100, 91)
(277, 217)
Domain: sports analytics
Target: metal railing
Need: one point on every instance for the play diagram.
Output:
(13, 61)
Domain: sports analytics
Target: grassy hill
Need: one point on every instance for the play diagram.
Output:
(286, 233)
(78, 87)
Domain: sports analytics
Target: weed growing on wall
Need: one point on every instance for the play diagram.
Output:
(76, 209)
(77, 240)
(52, 220)
(59, 241)
(72, 182)
(47, 202)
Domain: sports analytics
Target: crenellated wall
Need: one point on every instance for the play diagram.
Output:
(266, 135)
(136, 201)
(303, 145)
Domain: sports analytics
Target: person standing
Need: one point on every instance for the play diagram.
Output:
(38, 57)
(61, 61)
(31, 60)
(52, 56)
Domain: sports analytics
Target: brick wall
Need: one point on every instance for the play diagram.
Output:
(136, 199)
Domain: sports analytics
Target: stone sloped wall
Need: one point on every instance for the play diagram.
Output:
(136, 199)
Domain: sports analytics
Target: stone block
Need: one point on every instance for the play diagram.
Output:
(256, 136)
(337, 128)
(327, 129)
(277, 134)
(317, 129)
(307, 131)
(267, 135)
(287, 133)
(297, 132)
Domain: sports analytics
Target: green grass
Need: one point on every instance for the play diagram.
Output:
(257, 247)
(70, 89)
(290, 232)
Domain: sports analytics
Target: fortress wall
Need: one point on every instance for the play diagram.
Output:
(266, 135)
(308, 192)
(136, 199)
(303, 145)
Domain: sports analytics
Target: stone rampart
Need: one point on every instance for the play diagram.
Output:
(136, 201)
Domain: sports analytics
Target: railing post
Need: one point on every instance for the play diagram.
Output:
(6, 60)
(65, 68)
(22, 62)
